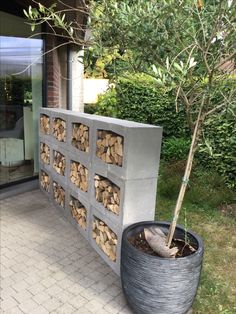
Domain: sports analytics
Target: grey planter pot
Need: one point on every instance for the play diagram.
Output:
(155, 285)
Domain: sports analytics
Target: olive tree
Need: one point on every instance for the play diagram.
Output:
(187, 46)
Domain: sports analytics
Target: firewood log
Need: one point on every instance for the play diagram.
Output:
(107, 193)
(80, 136)
(79, 175)
(59, 129)
(59, 162)
(105, 238)
(45, 153)
(59, 194)
(45, 124)
(110, 147)
(79, 212)
(45, 181)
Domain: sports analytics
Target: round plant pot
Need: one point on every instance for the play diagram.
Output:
(156, 285)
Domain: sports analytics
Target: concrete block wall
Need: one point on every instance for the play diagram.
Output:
(136, 178)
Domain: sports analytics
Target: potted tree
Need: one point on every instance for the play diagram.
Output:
(189, 47)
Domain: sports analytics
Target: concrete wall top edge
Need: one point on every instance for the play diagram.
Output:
(109, 120)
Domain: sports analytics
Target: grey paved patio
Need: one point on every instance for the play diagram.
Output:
(47, 266)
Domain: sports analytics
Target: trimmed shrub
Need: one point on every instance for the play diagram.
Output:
(137, 98)
(219, 147)
(174, 149)
(107, 104)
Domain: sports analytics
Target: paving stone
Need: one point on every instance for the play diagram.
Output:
(53, 269)
(7, 292)
(78, 301)
(36, 288)
(94, 306)
(8, 304)
(39, 310)
(28, 305)
(41, 297)
(52, 304)
(65, 309)
(113, 307)
(53, 290)
(22, 296)
(14, 310)
(48, 282)
(20, 286)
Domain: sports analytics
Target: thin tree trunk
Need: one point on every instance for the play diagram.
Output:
(185, 179)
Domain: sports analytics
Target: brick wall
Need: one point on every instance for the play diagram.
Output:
(52, 73)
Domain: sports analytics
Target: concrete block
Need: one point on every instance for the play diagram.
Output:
(86, 204)
(114, 218)
(46, 112)
(63, 115)
(139, 201)
(62, 151)
(77, 191)
(80, 119)
(138, 140)
(115, 228)
(46, 141)
(44, 169)
(60, 182)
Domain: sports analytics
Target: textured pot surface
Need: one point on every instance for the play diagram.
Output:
(155, 285)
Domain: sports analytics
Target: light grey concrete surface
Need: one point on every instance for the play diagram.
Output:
(48, 267)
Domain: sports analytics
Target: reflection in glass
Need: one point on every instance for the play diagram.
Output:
(20, 97)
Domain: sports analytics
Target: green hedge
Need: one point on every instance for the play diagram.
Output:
(138, 99)
(218, 147)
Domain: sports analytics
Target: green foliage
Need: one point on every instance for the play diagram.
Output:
(107, 104)
(137, 99)
(90, 108)
(205, 183)
(174, 149)
(219, 146)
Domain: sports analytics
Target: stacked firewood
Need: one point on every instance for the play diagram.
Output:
(110, 147)
(45, 153)
(105, 238)
(45, 181)
(45, 124)
(79, 212)
(79, 175)
(59, 162)
(107, 193)
(59, 129)
(59, 194)
(80, 137)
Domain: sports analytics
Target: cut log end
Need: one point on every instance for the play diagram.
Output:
(107, 193)
(80, 137)
(105, 238)
(59, 129)
(45, 181)
(79, 175)
(78, 212)
(59, 194)
(45, 124)
(110, 147)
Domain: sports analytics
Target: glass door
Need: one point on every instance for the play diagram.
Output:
(20, 98)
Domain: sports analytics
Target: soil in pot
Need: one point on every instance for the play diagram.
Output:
(139, 242)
